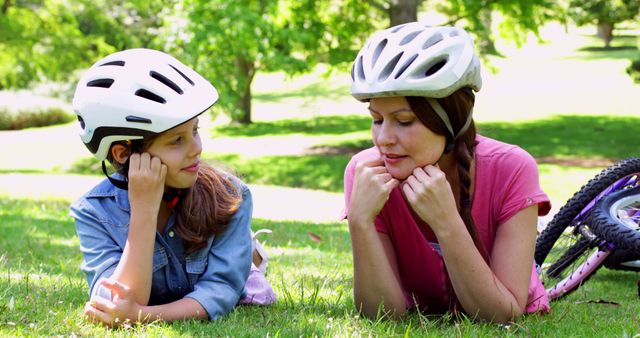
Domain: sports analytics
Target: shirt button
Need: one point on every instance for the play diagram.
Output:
(171, 234)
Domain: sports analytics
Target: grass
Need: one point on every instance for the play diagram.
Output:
(43, 292)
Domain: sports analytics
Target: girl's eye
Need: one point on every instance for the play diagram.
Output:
(405, 123)
(177, 140)
(195, 130)
(376, 121)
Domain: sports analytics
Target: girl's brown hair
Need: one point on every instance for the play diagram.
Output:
(458, 106)
(204, 209)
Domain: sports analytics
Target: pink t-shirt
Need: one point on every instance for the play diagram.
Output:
(506, 181)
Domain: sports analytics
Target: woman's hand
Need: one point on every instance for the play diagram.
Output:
(371, 188)
(430, 196)
(146, 181)
(116, 312)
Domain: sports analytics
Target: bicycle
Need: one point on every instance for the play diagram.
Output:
(597, 227)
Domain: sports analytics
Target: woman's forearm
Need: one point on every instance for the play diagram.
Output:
(480, 292)
(375, 284)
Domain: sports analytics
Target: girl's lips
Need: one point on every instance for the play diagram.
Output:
(192, 168)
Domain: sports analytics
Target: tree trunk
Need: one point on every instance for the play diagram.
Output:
(5, 6)
(403, 11)
(486, 44)
(244, 100)
(605, 32)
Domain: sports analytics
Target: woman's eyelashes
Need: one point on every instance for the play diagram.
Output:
(403, 123)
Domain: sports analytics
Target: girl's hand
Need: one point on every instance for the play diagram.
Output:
(371, 188)
(146, 181)
(430, 196)
(116, 312)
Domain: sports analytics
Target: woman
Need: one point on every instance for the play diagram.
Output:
(441, 218)
(167, 237)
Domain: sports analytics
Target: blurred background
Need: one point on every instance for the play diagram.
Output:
(559, 80)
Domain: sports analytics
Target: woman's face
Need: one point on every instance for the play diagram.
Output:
(179, 149)
(403, 141)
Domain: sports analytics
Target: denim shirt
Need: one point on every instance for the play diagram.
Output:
(214, 276)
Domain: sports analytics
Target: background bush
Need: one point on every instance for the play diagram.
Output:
(32, 117)
(634, 70)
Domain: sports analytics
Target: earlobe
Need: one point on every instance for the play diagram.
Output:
(120, 153)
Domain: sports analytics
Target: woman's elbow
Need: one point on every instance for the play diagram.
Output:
(378, 310)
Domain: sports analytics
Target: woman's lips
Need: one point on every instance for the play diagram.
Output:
(393, 158)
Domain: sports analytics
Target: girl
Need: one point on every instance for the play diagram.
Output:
(167, 237)
(441, 219)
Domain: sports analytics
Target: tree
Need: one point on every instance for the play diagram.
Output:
(230, 41)
(519, 17)
(604, 13)
(50, 39)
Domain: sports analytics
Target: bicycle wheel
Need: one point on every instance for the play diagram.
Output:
(578, 206)
(616, 218)
(567, 250)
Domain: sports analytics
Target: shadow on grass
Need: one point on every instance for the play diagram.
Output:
(572, 136)
(322, 125)
(321, 172)
(319, 89)
(622, 47)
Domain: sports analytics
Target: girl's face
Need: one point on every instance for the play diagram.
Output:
(403, 141)
(179, 149)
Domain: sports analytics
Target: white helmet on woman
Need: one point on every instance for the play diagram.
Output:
(415, 59)
(136, 93)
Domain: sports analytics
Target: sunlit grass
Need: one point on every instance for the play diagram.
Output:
(312, 276)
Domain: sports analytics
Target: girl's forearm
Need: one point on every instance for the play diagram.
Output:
(185, 308)
(136, 263)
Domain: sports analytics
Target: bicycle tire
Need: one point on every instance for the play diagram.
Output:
(607, 223)
(587, 193)
(578, 276)
(623, 260)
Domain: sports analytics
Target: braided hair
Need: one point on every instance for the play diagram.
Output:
(458, 106)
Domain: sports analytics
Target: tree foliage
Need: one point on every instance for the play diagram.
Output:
(604, 13)
(230, 41)
(49, 39)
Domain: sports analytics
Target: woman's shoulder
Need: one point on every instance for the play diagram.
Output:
(494, 150)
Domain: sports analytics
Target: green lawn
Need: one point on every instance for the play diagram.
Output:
(42, 291)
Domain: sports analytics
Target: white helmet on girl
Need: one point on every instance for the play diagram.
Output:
(136, 93)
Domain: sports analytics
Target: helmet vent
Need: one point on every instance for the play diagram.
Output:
(432, 41)
(397, 28)
(454, 33)
(378, 51)
(384, 74)
(436, 67)
(353, 68)
(409, 38)
(150, 96)
(182, 74)
(113, 63)
(166, 81)
(406, 65)
(81, 120)
(103, 83)
(360, 69)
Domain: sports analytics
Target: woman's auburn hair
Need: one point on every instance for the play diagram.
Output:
(203, 210)
(458, 106)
